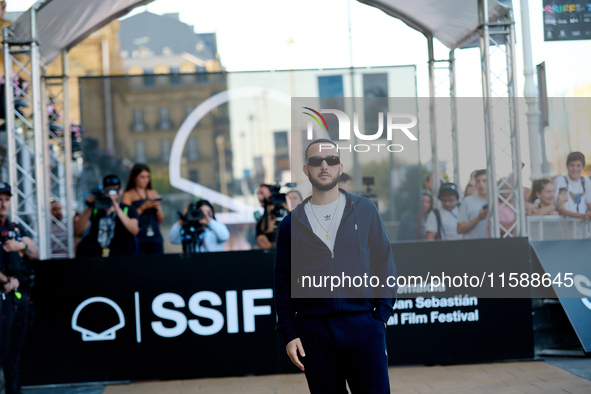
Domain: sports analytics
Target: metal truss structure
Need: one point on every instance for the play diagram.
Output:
(443, 120)
(503, 154)
(38, 159)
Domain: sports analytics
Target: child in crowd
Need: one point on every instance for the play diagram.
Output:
(474, 210)
(576, 188)
(443, 224)
(540, 201)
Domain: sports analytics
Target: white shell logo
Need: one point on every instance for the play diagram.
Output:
(108, 334)
(583, 285)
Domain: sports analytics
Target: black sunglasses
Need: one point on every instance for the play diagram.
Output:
(316, 161)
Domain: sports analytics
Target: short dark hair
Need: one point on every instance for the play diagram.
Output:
(479, 173)
(321, 141)
(111, 180)
(344, 178)
(448, 189)
(575, 156)
(201, 203)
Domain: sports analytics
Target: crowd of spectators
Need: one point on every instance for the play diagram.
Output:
(568, 195)
(130, 224)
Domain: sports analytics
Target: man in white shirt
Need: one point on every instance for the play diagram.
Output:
(575, 187)
(443, 224)
(474, 210)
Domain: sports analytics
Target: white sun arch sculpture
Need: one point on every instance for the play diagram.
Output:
(241, 212)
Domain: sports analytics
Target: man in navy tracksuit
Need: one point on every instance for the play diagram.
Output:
(334, 234)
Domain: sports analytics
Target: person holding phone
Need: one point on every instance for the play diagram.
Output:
(474, 210)
(574, 189)
(146, 201)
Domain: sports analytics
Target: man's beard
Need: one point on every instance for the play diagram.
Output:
(323, 187)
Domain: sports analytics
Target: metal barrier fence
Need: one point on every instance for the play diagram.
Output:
(553, 227)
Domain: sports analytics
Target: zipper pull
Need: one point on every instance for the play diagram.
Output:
(332, 254)
(355, 226)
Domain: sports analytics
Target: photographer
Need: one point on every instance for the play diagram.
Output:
(198, 231)
(113, 226)
(16, 280)
(275, 210)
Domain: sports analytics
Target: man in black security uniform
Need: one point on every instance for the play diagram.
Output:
(16, 280)
(113, 226)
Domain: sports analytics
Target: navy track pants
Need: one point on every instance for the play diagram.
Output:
(344, 348)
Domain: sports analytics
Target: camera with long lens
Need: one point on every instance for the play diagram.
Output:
(5, 235)
(102, 199)
(191, 228)
(11, 262)
(278, 201)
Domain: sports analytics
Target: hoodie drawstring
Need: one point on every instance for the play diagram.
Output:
(357, 230)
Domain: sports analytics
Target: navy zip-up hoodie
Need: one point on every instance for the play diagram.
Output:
(361, 247)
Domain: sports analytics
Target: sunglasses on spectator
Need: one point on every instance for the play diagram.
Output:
(316, 161)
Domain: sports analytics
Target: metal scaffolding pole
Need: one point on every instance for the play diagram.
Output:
(39, 157)
(501, 126)
(484, 41)
(432, 120)
(518, 197)
(59, 157)
(68, 157)
(454, 118)
(26, 138)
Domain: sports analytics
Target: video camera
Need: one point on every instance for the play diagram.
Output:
(278, 200)
(193, 216)
(102, 198)
(5, 235)
(191, 228)
(10, 262)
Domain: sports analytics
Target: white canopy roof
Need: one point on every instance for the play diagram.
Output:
(453, 22)
(61, 24)
(64, 23)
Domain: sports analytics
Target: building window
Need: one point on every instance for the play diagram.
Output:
(140, 152)
(194, 176)
(192, 150)
(188, 110)
(175, 77)
(138, 121)
(149, 77)
(164, 122)
(165, 149)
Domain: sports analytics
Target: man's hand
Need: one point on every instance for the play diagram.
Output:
(292, 348)
(482, 214)
(90, 199)
(12, 284)
(12, 245)
(588, 215)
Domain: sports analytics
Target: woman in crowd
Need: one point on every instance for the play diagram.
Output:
(140, 195)
(541, 199)
(208, 234)
(413, 225)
